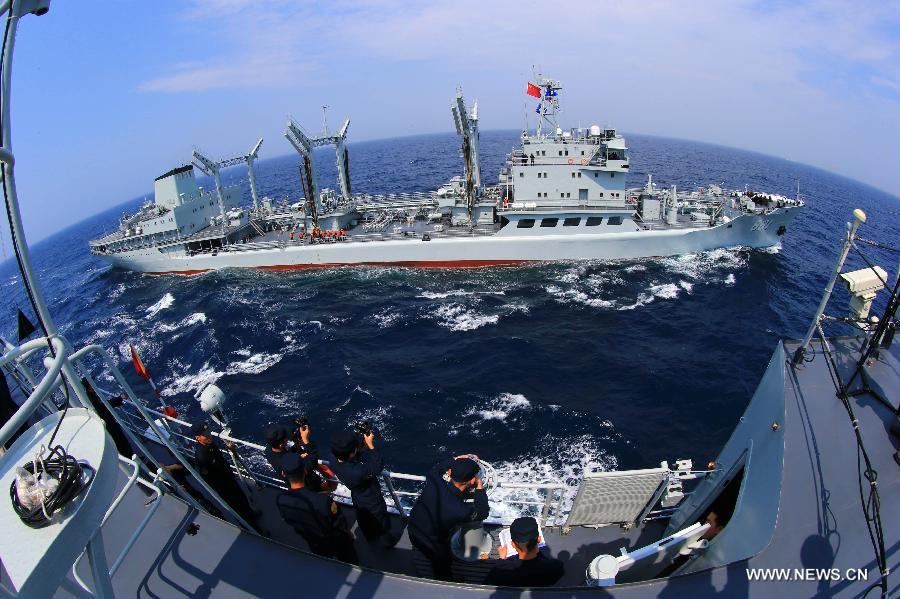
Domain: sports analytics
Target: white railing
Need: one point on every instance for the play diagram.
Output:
(400, 489)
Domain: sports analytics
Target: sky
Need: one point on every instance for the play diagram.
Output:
(104, 100)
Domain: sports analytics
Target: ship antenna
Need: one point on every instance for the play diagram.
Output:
(325, 120)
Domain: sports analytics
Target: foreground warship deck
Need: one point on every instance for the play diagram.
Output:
(815, 516)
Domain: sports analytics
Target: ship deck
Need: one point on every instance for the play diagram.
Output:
(820, 521)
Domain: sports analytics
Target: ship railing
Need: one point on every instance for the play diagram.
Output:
(559, 139)
(548, 501)
(76, 369)
(545, 501)
(153, 503)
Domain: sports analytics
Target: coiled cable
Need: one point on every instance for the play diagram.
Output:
(73, 477)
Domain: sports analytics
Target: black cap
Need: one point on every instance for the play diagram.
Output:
(292, 464)
(200, 427)
(463, 470)
(523, 529)
(275, 434)
(344, 441)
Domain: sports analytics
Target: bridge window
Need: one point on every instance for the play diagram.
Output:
(525, 223)
(571, 222)
(614, 220)
(549, 222)
(594, 221)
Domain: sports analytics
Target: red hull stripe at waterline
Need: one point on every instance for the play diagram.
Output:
(405, 263)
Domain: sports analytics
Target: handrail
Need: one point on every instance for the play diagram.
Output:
(395, 496)
(114, 370)
(154, 503)
(40, 392)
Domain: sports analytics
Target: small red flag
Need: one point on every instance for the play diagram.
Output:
(533, 90)
(138, 365)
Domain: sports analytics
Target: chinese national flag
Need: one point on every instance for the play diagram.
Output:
(138, 365)
(533, 90)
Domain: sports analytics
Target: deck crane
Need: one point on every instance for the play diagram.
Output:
(467, 127)
(304, 145)
(212, 168)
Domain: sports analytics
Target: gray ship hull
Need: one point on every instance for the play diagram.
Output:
(751, 230)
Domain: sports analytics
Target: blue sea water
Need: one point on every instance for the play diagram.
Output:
(541, 369)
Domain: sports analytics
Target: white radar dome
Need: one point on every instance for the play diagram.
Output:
(595, 130)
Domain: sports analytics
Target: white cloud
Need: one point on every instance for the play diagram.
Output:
(198, 76)
(766, 76)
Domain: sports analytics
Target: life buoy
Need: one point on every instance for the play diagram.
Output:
(584, 161)
(571, 161)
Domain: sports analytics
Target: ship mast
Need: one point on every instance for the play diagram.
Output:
(549, 106)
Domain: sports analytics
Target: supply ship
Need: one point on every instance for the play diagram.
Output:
(560, 196)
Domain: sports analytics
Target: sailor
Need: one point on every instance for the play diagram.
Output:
(442, 507)
(532, 159)
(358, 466)
(213, 466)
(529, 567)
(317, 474)
(314, 516)
(277, 446)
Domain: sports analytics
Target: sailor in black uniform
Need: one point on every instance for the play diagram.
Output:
(530, 567)
(442, 507)
(315, 516)
(277, 446)
(213, 466)
(359, 471)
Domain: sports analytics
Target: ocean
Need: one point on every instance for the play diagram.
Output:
(540, 369)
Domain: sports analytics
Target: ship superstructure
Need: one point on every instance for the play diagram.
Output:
(561, 195)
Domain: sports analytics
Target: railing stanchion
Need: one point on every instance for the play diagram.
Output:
(386, 477)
